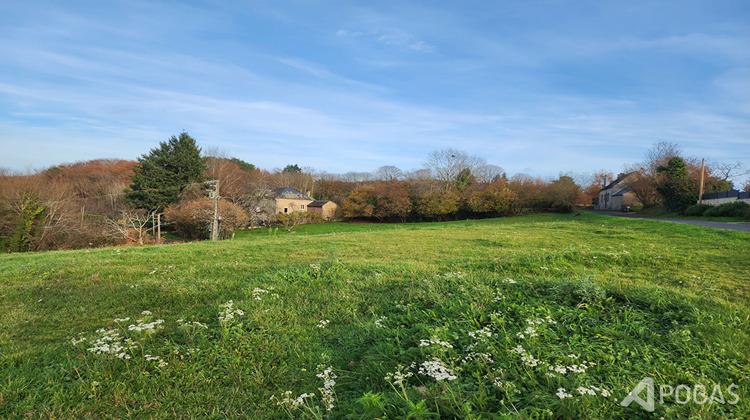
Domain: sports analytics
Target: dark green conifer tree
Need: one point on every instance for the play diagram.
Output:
(163, 173)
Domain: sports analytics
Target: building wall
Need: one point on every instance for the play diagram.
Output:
(606, 200)
(291, 205)
(329, 210)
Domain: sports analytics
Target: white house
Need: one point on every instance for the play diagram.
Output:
(617, 195)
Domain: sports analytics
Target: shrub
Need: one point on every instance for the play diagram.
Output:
(192, 218)
(295, 218)
(697, 209)
(736, 209)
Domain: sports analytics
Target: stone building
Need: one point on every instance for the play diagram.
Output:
(617, 195)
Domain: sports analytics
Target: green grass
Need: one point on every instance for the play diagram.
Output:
(630, 298)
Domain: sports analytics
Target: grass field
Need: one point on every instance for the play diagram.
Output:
(542, 316)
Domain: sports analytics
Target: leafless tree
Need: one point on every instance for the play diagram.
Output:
(728, 171)
(260, 206)
(132, 226)
(388, 173)
(487, 173)
(447, 163)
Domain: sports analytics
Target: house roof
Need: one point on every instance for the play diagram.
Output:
(616, 181)
(289, 193)
(622, 192)
(318, 203)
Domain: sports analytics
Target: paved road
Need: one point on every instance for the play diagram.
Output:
(743, 226)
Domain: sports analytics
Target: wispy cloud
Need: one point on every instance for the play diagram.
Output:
(369, 86)
(391, 37)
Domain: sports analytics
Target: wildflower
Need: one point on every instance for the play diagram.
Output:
(122, 319)
(482, 357)
(482, 334)
(562, 394)
(78, 341)
(379, 322)
(257, 292)
(111, 342)
(315, 267)
(141, 326)
(437, 370)
(509, 281)
(184, 323)
(323, 323)
(583, 391)
(530, 331)
(544, 268)
(292, 402)
(425, 343)
(328, 383)
(146, 313)
(228, 312)
(398, 376)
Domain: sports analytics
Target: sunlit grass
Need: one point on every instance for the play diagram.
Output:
(474, 318)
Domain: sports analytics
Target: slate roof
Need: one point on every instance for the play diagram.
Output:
(289, 193)
(622, 192)
(616, 181)
(318, 203)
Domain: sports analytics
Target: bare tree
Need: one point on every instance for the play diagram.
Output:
(388, 173)
(132, 226)
(447, 163)
(231, 178)
(728, 171)
(260, 206)
(487, 173)
(357, 177)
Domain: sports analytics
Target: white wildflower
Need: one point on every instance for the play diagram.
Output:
(509, 281)
(398, 377)
(183, 323)
(292, 402)
(228, 312)
(141, 326)
(328, 383)
(482, 334)
(426, 343)
(257, 293)
(323, 323)
(529, 331)
(584, 391)
(562, 394)
(379, 322)
(437, 370)
(146, 313)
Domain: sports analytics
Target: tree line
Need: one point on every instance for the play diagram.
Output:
(110, 201)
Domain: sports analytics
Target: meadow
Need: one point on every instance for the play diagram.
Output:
(541, 316)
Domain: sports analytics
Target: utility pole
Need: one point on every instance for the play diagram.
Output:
(215, 224)
(700, 193)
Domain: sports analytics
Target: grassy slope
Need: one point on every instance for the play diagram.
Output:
(638, 298)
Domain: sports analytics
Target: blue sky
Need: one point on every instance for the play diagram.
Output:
(538, 87)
